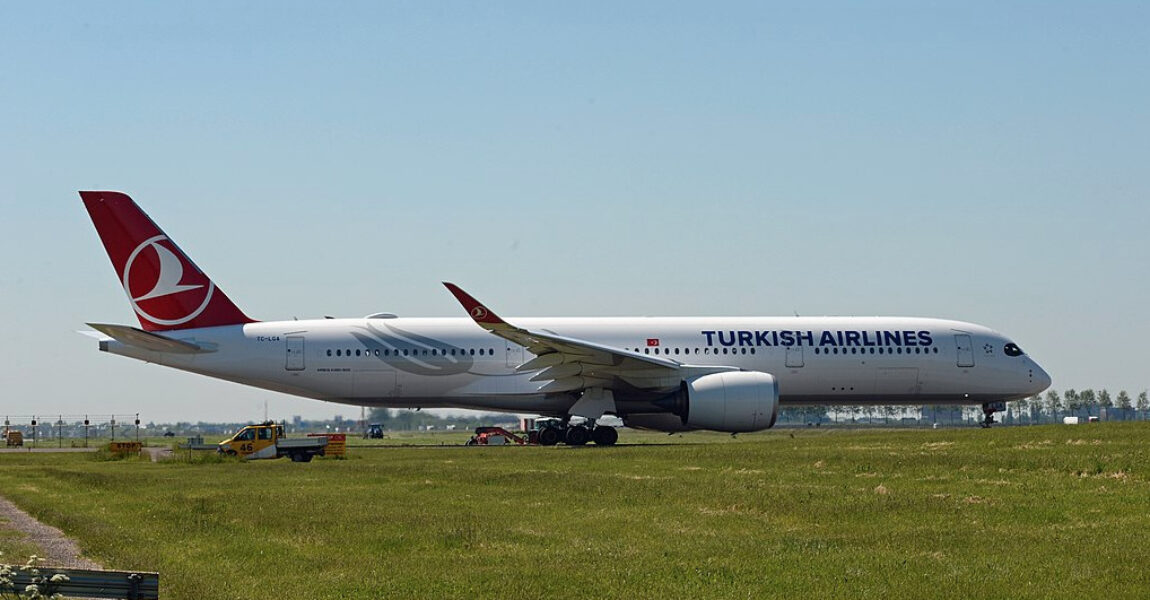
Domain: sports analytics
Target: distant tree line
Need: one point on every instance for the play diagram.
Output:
(1050, 407)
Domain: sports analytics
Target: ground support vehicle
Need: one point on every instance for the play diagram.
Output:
(13, 437)
(496, 436)
(267, 440)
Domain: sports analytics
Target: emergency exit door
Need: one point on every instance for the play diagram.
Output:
(965, 350)
(794, 356)
(294, 353)
(514, 354)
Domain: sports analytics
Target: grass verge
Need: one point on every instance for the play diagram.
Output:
(1036, 512)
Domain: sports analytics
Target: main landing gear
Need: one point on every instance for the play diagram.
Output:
(577, 435)
(988, 411)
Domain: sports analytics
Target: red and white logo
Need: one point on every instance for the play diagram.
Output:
(652, 342)
(479, 313)
(163, 285)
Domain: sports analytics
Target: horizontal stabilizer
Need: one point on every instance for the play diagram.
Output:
(132, 336)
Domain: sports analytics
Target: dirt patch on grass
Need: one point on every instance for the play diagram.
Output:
(57, 549)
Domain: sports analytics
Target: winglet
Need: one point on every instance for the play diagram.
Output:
(479, 313)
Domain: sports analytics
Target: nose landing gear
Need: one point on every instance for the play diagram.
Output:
(988, 410)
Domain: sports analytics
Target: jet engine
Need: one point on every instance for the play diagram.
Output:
(734, 401)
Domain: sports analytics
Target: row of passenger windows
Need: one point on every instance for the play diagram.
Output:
(688, 351)
(868, 350)
(895, 350)
(407, 352)
(667, 351)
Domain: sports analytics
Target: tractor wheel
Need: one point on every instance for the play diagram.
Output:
(604, 436)
(549, 436)
(577, 435)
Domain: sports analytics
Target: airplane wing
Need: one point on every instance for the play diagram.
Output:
(569, 364)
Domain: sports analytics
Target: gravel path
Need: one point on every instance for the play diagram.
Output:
(57, 549)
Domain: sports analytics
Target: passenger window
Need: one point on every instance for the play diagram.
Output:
(329, 351)
(265, 433)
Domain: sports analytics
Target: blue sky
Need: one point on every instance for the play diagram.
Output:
(977, 161)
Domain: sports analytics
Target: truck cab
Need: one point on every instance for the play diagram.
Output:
(267, 440)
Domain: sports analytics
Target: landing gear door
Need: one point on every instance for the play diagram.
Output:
(965, 350)
(294, 353)
(794, 356)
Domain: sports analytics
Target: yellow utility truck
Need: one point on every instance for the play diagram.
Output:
(267, 440)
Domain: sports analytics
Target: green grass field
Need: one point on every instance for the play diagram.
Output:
(1038, 512)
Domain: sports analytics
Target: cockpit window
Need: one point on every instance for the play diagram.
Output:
(1012, 350)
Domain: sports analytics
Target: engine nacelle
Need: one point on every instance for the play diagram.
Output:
(734, 401)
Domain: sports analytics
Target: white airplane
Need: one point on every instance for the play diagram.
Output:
(726, 374)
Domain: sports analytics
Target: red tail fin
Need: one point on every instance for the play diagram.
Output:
(166, 289)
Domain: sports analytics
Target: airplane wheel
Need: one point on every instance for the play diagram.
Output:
(549, 436)
(604, 436)
(577, 435)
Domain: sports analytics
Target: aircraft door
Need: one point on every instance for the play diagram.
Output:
(965, 350)
(295, 360)
(794, 356)
(514, 354)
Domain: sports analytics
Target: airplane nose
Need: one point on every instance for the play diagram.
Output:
(1039, 377)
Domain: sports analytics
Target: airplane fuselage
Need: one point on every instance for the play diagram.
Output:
(448, 362)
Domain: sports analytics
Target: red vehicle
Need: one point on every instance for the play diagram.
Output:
(497, 436)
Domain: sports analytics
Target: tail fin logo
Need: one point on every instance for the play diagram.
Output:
(160, 287)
